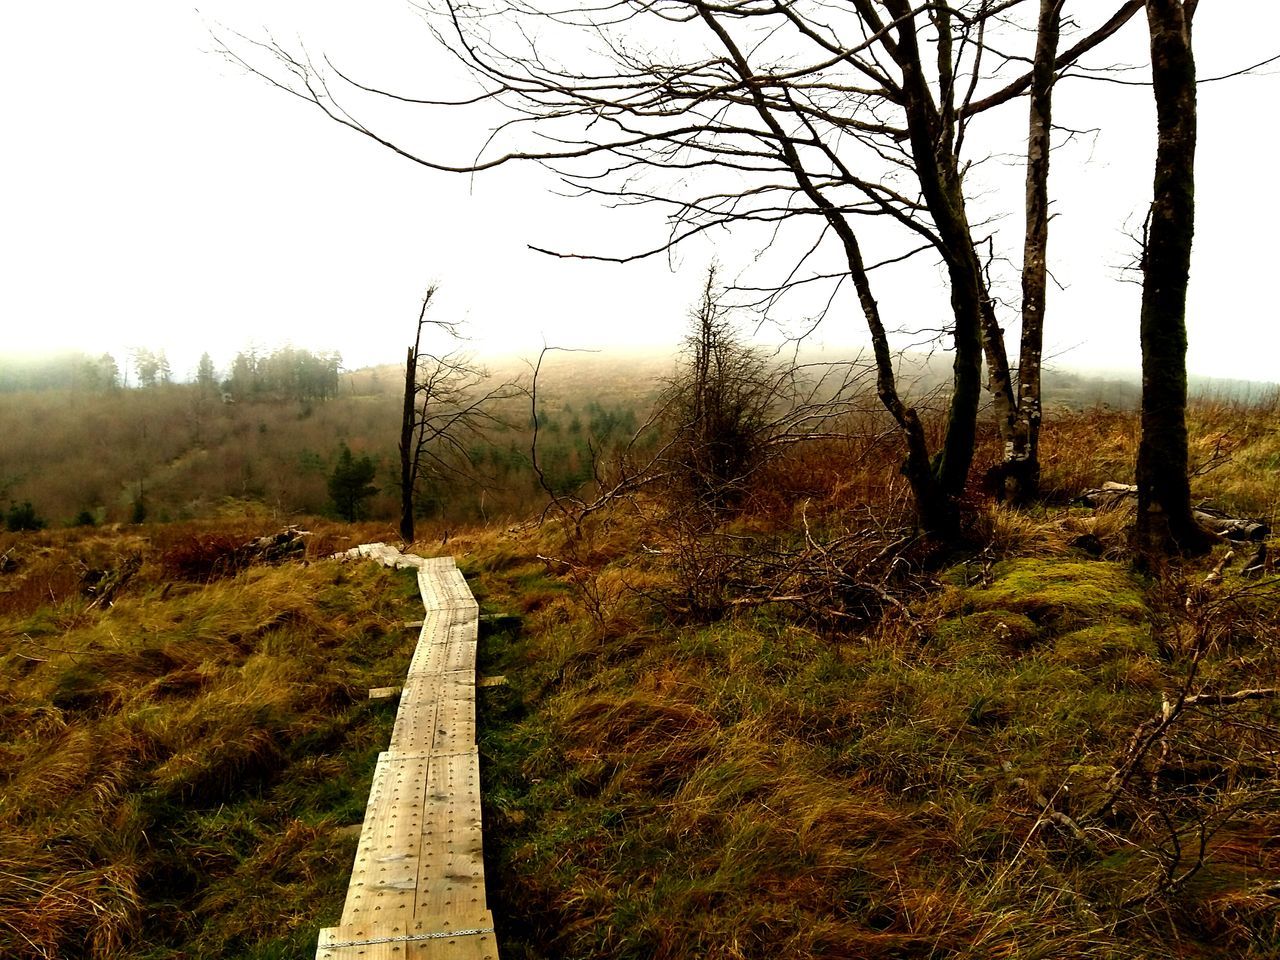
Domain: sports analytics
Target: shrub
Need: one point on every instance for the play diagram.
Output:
(22, 516)
(719, 404)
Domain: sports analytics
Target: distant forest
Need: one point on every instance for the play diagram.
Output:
(271, 429)
(82, 447)
(285, 373)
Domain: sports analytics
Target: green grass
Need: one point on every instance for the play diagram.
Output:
(178, 766)
(751, 788)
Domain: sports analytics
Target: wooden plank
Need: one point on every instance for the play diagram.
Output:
(455, 729)
(435, 583)
(478, 947)
(435, 626)
(473, 947)
(384, 876)
(463, 625)
(452, 844)
(448, 657)
(415, 728)
(336, 937)
(471, 938)
(441, 685)
(417, 886)
(437, 712)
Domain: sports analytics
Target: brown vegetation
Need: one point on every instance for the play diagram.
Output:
(976, 773)
(178, 760)
(785, 727)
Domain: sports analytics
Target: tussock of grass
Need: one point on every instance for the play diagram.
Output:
(177, 765)
(750, 788)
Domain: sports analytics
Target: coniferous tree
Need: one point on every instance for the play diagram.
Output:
(206, 375)
(147, 365)
(101, 373)
(164, 373)
(351, 484)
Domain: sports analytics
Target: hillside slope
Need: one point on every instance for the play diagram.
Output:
(789, 729)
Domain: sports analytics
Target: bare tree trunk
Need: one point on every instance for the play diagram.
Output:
(977, 331)
(411, 425)
(1165, 523)
(936, 503)
(936, 510)
(407, 421)
(1021, 470)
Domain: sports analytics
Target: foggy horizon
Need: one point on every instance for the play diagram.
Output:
(219, 211)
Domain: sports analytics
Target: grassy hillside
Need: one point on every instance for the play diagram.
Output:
(179, 765)
(181, 452)
(977, 770)
(788, 730)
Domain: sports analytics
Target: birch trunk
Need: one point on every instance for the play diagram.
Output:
(1021, 470)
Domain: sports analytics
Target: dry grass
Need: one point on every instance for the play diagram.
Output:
(759, 786)
(753, 788)
(177, 764)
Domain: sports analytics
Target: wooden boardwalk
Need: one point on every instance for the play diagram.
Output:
(417, 886)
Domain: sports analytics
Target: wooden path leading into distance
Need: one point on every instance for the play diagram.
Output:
(417, 886)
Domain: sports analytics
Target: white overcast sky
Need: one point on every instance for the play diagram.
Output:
(152, 195)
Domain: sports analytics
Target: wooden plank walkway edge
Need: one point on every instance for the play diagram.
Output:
(417, 886)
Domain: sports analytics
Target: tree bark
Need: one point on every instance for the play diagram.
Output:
(1021, 469)
(977, 332)
(407, 421)
(1165, 524)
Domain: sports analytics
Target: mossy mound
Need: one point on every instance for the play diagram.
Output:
(997, 629)
(1103, 643)
(1056, 595)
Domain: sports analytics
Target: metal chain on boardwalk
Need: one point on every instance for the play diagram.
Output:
(407, 938)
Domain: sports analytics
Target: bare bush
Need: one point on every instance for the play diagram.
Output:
(1202, 770)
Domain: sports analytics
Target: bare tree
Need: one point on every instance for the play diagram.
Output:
(721, 406)
(756, 113)
(1022, 455)
(1165, 523)
(448, 402)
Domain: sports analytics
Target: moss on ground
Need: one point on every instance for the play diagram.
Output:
(752, 789)
(1055, 594)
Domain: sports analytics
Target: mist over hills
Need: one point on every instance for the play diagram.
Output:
(78, 370)
(79, 444)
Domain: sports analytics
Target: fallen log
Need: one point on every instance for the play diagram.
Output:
(1109, 495)
(1257, 564)
(1239, 529)
(103, 585)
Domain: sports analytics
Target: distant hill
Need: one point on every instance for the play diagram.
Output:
(77, 444)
